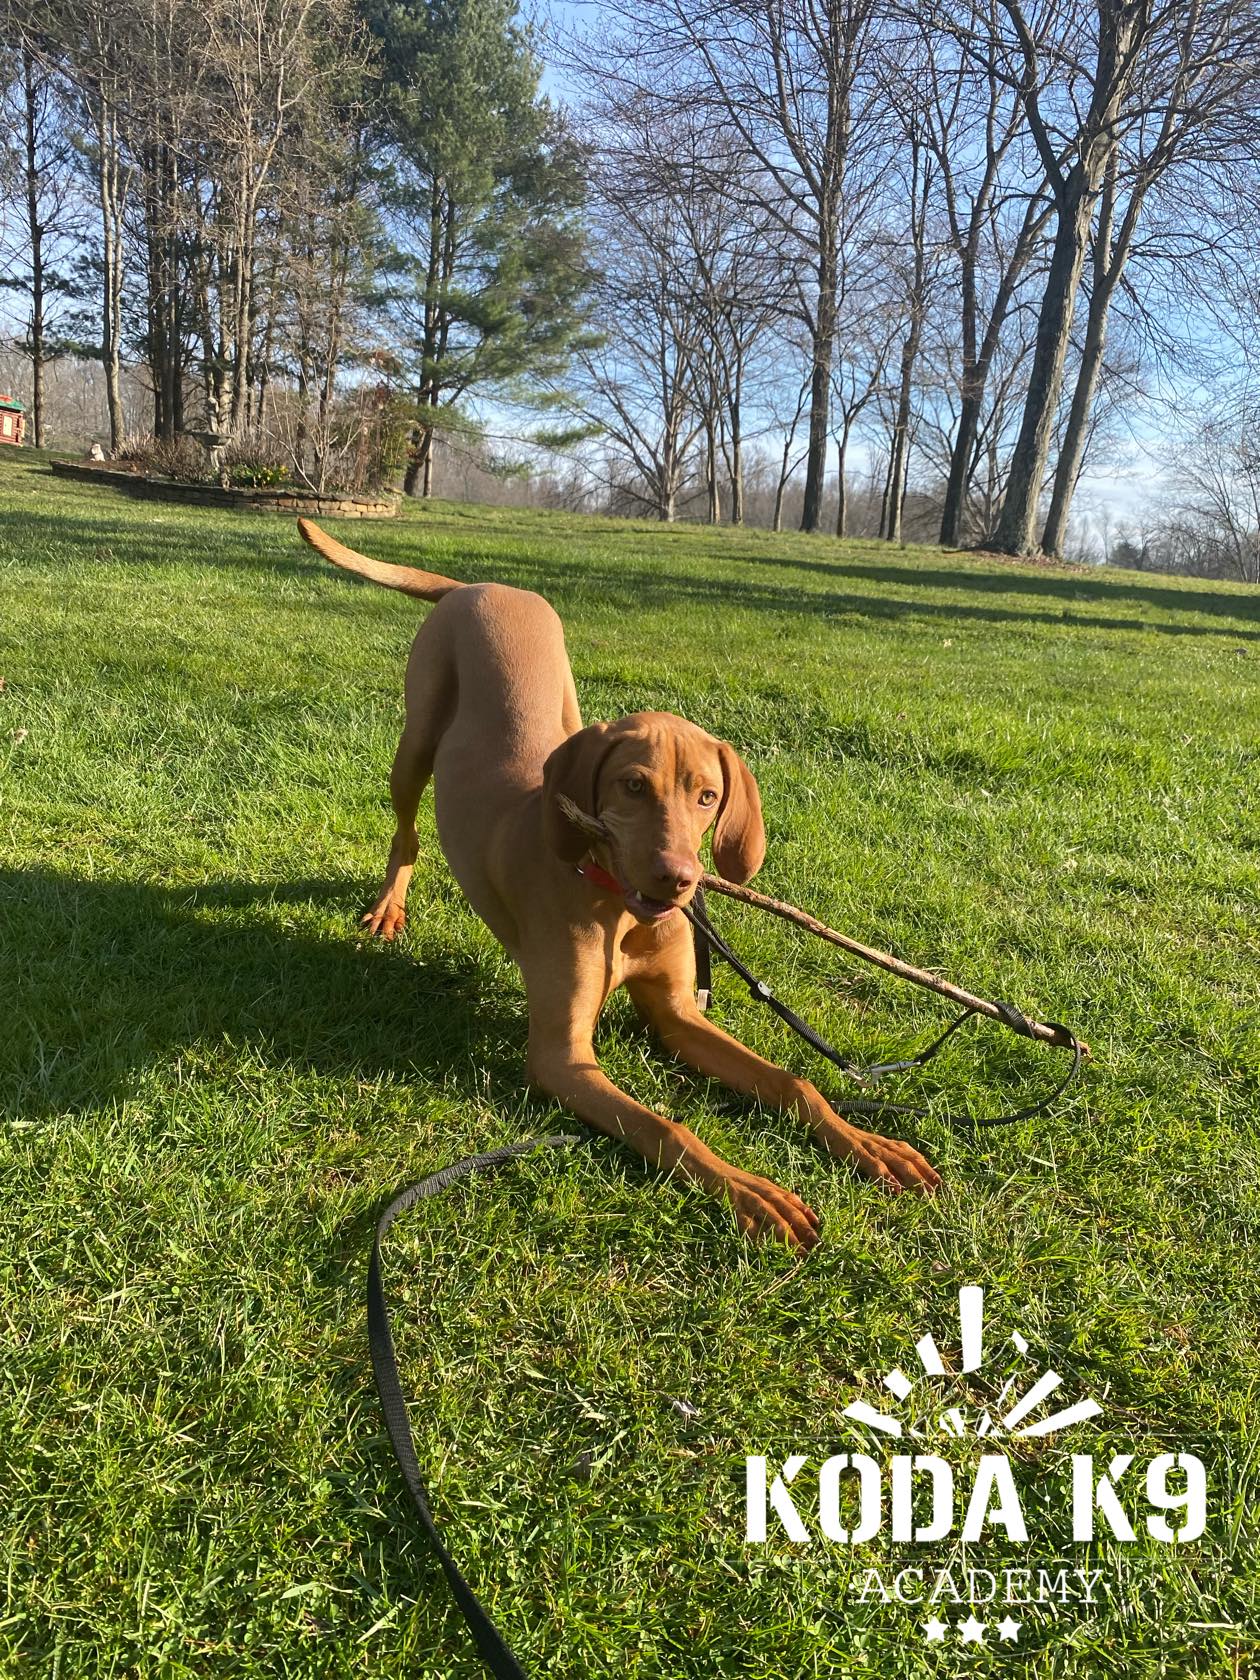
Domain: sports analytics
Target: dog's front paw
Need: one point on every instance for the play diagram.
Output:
(888, 1161)
(764, 1209)
(385, 919)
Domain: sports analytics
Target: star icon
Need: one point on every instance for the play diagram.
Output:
(971, 1632)
(1009, 1629)
(935, 1629)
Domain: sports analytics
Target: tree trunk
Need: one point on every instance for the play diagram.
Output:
(1071, 453)
(167, 347)
(823, 349)
(240, 339)
(898, 464)
(785, 471)
(666, 490)
(111, 284)
(842, 506)
(1015, 529)
(961, 461)
(781, 487)
(666, 483)
(737, 467)
(971, 394)
(412, 474)
(899, 461)
(1108, 267)
(885, 500)
(264, 369)
(432, 340)
(1076, 195)
(30, 97)
(420, 461)
(975, 378)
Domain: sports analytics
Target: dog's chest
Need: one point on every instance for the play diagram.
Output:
(642, 943)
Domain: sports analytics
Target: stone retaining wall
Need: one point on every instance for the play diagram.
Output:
(271, 500)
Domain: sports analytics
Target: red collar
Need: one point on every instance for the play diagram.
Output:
(601, 878)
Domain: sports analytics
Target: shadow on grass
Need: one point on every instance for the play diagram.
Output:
(642, 588)
(1062, 586)
(109, 978)
(249, 543)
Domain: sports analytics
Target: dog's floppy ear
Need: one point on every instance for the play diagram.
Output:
(572, 772)
(739, 835)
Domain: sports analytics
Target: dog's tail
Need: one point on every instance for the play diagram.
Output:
(428, 586)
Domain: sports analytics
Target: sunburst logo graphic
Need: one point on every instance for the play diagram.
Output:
(1010, 1413)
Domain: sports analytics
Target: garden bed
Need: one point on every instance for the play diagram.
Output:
(266, 499)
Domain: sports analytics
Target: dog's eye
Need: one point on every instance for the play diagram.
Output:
(708, 797)
(633, 784)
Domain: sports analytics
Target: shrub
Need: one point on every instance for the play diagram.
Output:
(136, 450)
(180, 459)
(256, 475)
(254, 463)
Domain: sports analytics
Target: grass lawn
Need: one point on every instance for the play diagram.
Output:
(1044, 783)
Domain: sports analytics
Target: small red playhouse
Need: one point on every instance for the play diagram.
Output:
(12, 420)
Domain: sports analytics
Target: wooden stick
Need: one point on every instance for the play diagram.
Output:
(1042, 1030)
(893, 965)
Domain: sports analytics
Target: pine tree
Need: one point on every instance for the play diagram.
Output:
(484, 184)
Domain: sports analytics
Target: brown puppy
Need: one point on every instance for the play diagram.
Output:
(492, 715)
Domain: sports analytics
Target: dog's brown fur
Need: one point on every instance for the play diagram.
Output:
(492, 715)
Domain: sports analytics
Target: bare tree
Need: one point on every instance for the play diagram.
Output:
(728, 259)
(915, 265)
(635, 382)
(89, 41)
(38, 172)
(195, 108)
(859, 378)
(1098, 48)
(316, 307)
(270, 67)
(1214, 512)
(788, 81)
(1196, 107)
(972, 121)
(165, 131)
(790, 460)
(740, 306)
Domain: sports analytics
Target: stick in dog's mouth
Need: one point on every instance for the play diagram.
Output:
(590, 826)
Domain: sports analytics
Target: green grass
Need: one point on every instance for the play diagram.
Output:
(1041, 782)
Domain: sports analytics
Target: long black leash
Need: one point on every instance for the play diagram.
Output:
(493, 1649)
(490, 1643)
